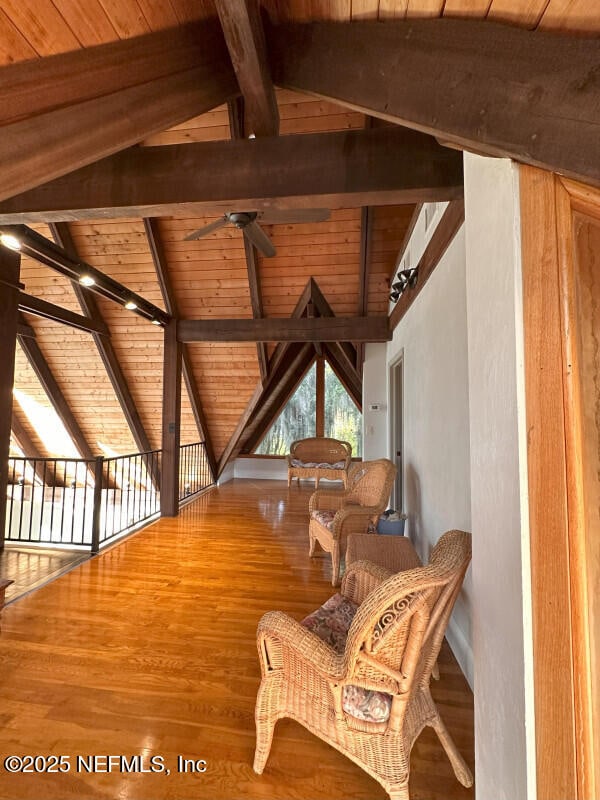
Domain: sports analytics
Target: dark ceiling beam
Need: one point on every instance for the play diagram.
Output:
(242, 27)
(380, 166)
(23, 329)
(47, 252)
(235, 110)
(45, 145)
(300, 358)
(528, 95)
(41, 368)
(168, 294)
(346, 350)
(408, 233)
(41, 308)
(349, 377)
(256, 302)
(366, 237)
(447, 228)
(271, 329)
(89, 305)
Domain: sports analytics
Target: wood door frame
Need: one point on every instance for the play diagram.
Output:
(396, 403)
(562, 655)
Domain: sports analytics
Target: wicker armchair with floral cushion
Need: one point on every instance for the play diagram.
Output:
(319, 457)
(356, 673)
(335, 515)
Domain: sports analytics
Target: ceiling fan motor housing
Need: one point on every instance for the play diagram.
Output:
(242, 218)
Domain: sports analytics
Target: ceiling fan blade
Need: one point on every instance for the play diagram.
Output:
(277, 216)
(259, 239)
(212, 226)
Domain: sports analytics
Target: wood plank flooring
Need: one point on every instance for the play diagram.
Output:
(149, 649)
(32, 567)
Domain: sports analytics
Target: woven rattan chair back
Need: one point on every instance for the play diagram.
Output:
(391, 647)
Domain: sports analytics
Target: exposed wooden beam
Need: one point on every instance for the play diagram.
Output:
(380, 166)
(320, 397)
(42, 308)
(346, 351)
(366, 237)
(168, 294)
(256, 302)
(318, 329)
(503, 90)
(86, 124)
(242, 26)
(10, 268)
(278, 391)
(23, 329)
(171, 422)
(89, 305)
(237, 129)
(40, 366)
(448, 226)
(349, 377)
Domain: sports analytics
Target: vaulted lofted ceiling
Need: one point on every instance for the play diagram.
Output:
(65, 178)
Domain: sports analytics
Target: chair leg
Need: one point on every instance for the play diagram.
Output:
(335, 563)
(312, 544)
(264, 740)
(399, 793)
(459, 765)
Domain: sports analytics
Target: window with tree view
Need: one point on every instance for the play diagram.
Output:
(298, 420)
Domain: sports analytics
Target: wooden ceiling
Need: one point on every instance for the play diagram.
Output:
(209, 277)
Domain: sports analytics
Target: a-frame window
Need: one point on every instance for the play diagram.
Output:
(319, 402)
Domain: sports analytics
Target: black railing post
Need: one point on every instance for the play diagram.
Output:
(98, 478)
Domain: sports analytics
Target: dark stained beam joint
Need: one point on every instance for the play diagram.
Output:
(318, 329)
(379, 166)
(242, 27)
(10, 267)
(530, 97)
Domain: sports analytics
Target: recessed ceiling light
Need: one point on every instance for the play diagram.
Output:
(130, 305)
(87, 280)
(10, 241)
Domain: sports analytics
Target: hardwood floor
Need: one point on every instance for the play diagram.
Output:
(32, 567)
(149, 649)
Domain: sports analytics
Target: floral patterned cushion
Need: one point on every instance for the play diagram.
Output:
(324, 518)
(366, 704)
(332, 620)
(296, 462)
(330, 623)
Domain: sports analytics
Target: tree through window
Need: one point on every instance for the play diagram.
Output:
(342, 419)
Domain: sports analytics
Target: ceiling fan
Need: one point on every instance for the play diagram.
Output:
(247, 222)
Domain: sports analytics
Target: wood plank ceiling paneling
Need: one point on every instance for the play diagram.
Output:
(209, 276)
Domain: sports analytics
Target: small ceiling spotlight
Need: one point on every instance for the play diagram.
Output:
(406, 278)
(157, 322)
(130, 305)
(10, 241)
(87, 280)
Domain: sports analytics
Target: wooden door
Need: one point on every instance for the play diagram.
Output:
(560, 222)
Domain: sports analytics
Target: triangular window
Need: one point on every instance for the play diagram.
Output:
(339, 417)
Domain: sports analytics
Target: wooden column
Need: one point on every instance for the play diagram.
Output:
(10, 266)
(171, 423)
(320, 399)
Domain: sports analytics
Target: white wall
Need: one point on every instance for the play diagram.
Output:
(432, 341)
(504, 721)
(376, 442)
(261, 468)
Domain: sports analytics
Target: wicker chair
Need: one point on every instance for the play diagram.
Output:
(335, 515)
(386, 652)
(319, 457)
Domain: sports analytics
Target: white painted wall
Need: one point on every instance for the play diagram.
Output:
(261, 468)
(376, 443)
(501, 608)
(432, 341)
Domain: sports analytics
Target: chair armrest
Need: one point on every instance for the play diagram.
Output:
(323, 500)
(278, 634)
(353, 519)
(361, 578)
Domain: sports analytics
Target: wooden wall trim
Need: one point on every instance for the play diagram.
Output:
(564, 746)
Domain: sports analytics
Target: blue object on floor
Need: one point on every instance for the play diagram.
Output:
(391, 527)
